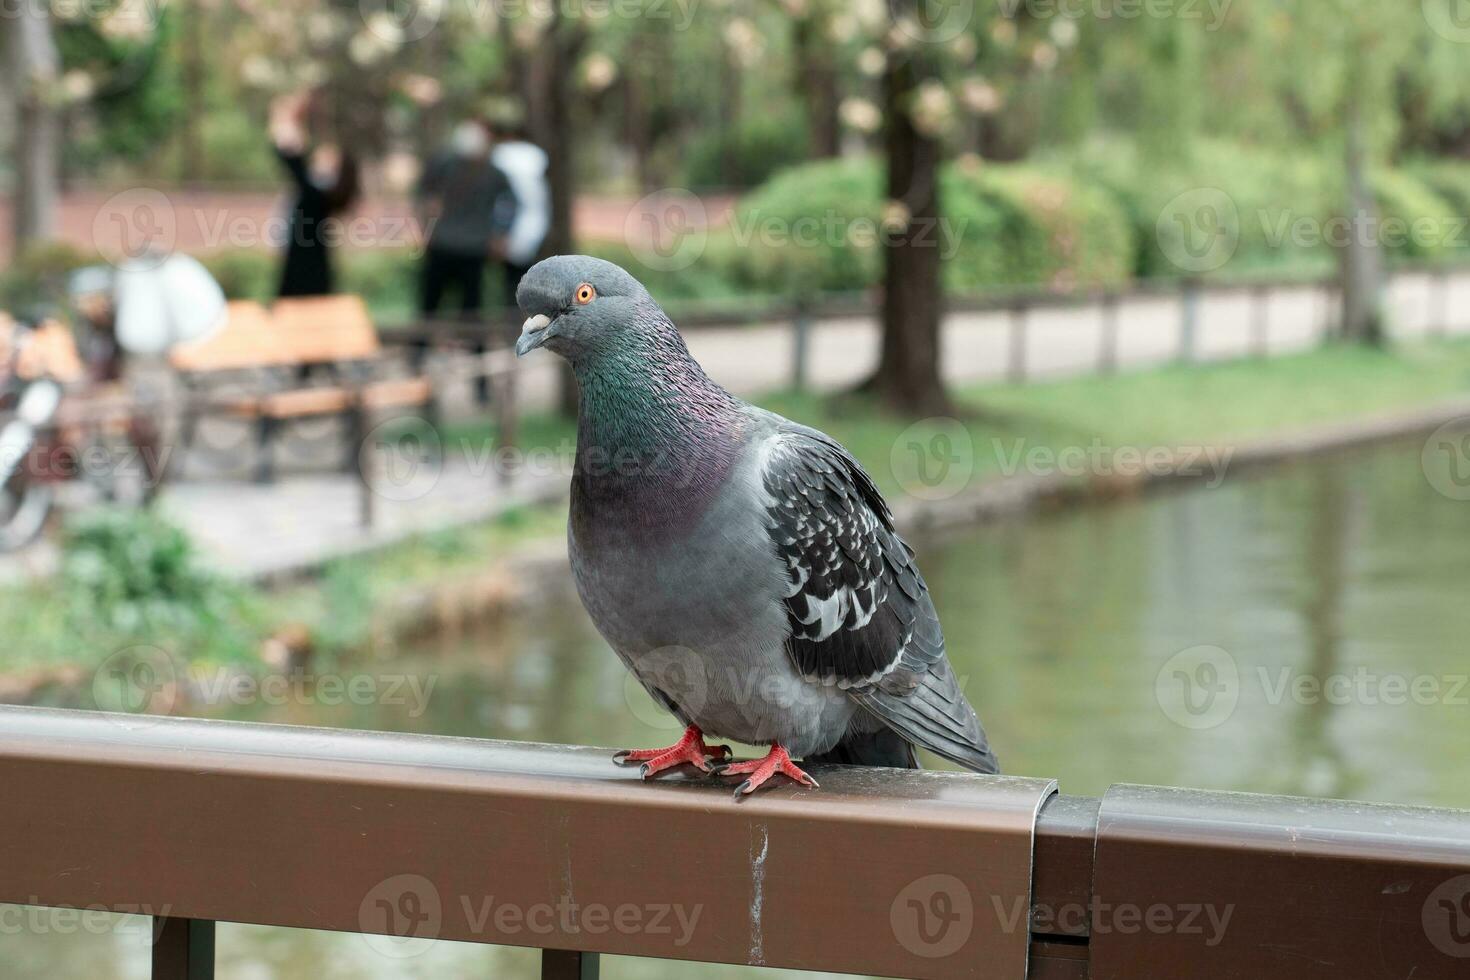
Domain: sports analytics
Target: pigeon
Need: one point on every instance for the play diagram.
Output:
(743, 567)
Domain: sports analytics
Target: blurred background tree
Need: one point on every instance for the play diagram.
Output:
(1054, 143)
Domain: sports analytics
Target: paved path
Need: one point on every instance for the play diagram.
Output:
(314, 512)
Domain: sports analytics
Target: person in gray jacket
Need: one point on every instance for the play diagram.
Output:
(467, 206)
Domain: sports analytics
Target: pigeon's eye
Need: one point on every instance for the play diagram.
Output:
(585, 294)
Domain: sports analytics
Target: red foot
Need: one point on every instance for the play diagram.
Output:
(689, 749)
(761, 770)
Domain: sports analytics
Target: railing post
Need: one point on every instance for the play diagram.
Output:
(1261, 320)
(1018, 341)
(1108, 349)
(801, 339)
(568, 964)
(1439, 322)
(1188, 319)
(183, 949)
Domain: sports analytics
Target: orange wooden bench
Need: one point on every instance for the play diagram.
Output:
(268, 348)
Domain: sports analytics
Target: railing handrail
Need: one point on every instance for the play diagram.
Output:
(410, 836)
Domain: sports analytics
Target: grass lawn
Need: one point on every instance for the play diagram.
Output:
(1172, 406)
(1169, 406)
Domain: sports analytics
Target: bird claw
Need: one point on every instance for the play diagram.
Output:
(689, 750)
(761, 770)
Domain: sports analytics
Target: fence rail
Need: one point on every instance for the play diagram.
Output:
(914, 874)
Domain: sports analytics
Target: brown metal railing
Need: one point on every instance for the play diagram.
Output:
(912, 874)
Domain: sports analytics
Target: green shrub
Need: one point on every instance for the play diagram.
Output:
(37, 276)
(1418, 223)
(1257, 195)
(748, 154)
(1450, 179)
(1027, 225)
(245, 273)
(796, 231)
(1003, 226)
(129, 575)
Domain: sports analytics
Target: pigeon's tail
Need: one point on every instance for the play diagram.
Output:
(884, 747)
(935, 715)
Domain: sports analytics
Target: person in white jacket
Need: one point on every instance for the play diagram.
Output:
(524, 165)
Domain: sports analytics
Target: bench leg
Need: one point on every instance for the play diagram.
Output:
(357, 428)
(265, 437)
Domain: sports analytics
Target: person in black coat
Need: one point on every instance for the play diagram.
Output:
(326, 184)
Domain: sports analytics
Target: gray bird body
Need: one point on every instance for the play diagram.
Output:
(742, 566)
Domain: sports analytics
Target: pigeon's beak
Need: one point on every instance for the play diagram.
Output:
(533, 334)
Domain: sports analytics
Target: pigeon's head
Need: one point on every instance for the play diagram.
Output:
(576, 305)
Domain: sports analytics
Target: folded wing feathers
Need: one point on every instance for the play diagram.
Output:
(860, 613)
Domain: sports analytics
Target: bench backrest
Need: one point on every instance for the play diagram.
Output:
(315, 330)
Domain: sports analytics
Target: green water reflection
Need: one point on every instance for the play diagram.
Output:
(1301, 631)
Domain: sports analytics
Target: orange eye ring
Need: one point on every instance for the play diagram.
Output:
(585, 294)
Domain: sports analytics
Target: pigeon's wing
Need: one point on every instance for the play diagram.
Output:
(860, 613)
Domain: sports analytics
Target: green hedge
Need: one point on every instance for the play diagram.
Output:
(815, 228)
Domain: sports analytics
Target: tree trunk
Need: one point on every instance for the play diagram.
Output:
(551, 104)
(908, 377)
(191, 133)
(816, 80)
(1361, 256)
(35, 67)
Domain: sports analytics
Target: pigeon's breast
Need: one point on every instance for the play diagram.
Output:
(697, 614)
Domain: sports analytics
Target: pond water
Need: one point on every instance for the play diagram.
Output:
(1301, 630)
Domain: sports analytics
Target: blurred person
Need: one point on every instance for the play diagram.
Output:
(524, 164)
(467, 205)
(326, 181)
